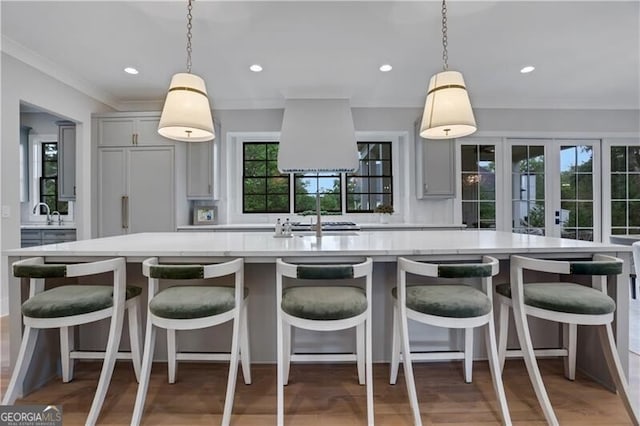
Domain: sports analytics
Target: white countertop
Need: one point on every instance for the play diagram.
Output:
(262, 246)
(271, 226)
(47, 227)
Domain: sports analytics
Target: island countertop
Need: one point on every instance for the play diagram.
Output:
(263, 246)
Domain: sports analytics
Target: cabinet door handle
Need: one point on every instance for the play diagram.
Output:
(125, 212)
(135, 137)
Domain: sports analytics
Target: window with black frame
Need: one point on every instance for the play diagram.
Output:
(264, 188)
(49, 180)
(309, 185)
(372, 184)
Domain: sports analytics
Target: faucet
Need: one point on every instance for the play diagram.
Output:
(59, 217)
(48, 211)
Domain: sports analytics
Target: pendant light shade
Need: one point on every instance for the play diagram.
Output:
(186, 115)
(317, 136)
(447, 111)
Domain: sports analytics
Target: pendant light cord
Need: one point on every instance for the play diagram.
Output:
(189, 16)
(445, 54)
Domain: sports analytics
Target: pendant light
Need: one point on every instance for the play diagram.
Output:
(447, 111)
(186, 115)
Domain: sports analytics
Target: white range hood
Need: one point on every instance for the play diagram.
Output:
(317, 136)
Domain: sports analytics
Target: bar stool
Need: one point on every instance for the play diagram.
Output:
(445, 305)
(568, 303)
(194, 307)
(334, 305)
(67, 306)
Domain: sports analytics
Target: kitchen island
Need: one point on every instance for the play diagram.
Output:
(260, 249)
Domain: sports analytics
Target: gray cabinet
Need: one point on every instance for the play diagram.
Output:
(38, 237)
(202, 164)
(66, 161)
(435, 167)
(136, 190)
(127, 129)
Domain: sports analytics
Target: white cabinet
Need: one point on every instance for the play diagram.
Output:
(66, 161)
(127, 129)
(435, 167)
(136, 190)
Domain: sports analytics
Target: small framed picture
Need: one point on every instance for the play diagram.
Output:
(205, 215)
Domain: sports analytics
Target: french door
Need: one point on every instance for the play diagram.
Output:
(553, 187)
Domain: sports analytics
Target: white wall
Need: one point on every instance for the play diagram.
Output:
(23, 83)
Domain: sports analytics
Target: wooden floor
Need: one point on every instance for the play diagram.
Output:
(329, 395)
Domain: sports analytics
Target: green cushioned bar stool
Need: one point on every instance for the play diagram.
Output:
(67, 306)
(195, 306)
(566, 303)
(324, 297)
(450, 304)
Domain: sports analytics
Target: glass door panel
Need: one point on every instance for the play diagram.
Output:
(555, 188)
(528, 189)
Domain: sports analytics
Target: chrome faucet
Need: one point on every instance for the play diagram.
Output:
(56, 212)
(48, 211)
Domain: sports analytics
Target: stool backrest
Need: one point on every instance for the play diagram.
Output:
(488, 268)
(152, 269)
(36, 270)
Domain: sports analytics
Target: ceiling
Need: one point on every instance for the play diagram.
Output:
(586, 53)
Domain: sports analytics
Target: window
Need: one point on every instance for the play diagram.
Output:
(264, 188)
(576, 192)
(372, 184)
(478, 186)
(625, 190)
(308, 186)
(49, 180)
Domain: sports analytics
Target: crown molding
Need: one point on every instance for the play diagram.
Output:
(56, 71)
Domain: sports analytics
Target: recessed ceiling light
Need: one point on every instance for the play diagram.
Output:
(131, 70)
(386, 68)
(527, 69)
(255, 68)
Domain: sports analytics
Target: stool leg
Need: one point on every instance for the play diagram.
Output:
(494, 366)
(526, 345)
(280, 367)
(369, 362)
(617, 373)
(570, 337)
(29, 339)
(171, 354)
(408, 370)
(503, 334)
(147, 361)
(360, 355)
(286, 351)
(115, 333)
(245, 351)
(395, 347)
(133, 315)
(66, 346)
(233, 370)
(468, 354)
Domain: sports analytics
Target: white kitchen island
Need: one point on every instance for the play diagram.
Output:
(260, 249)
